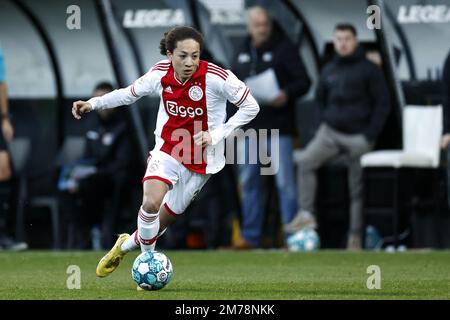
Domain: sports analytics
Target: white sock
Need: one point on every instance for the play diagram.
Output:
(131, 243)
(148, 227)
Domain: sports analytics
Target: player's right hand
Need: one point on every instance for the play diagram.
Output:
(80, 107)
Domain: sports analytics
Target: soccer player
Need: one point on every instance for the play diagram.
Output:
(189, 135)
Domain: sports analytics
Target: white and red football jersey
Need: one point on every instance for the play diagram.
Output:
(199, 104)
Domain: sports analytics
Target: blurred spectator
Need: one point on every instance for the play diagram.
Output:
(99, 176)
(355, 103)
(268, 50)
(446, 104)
(6, 136)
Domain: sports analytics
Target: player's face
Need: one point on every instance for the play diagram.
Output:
(345, 42)
(185, 58)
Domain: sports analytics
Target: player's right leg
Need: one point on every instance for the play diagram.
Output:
(165, 220)
(148, 227)
(148, 219)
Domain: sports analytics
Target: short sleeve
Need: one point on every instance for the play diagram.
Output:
(2, 67)
(235, 90)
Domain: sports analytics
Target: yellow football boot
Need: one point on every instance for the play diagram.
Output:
(112, 259)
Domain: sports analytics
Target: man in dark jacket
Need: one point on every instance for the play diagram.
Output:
(355, 104)
(268, 48)
(104, 167)
(446, 105)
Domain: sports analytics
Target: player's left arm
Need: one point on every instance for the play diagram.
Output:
(238, 94)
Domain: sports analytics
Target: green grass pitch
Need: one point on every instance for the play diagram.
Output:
(234, 275)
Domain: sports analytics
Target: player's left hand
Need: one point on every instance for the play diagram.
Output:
(7, 129)
(202, 138)
(280, 100)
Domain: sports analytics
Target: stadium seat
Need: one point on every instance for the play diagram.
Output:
(422, 130)
(20, 149)
(71, 150)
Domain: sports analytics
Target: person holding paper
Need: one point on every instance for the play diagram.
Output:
(446, 109)
(354, 101)
(273, 70)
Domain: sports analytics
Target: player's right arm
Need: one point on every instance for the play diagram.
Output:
(143, 86)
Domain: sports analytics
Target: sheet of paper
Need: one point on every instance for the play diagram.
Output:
(264, 86)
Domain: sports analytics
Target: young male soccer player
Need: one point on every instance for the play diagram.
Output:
(192, 109)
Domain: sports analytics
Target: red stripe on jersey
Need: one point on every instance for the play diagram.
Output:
(221, 71)
(159, 69)
(244, 96)
(217, 74)
(167, 63)
(147, 241)
(158, 178)
(133, 92)
(212, 65)
(187, 112)
(162, 68)
(170, 211)
(218, 70)
(162, 64)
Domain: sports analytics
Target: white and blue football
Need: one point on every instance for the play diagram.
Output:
(152, 270)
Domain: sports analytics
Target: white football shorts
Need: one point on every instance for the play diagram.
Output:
(184, 185)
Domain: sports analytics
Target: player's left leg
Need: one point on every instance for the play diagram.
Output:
(148, 219)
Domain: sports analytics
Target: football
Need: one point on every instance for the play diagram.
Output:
(152, 270)
(304, 240)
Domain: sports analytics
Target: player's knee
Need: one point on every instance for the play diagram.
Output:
(151, 205)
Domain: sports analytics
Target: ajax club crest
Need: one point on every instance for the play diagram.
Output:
(195, 93)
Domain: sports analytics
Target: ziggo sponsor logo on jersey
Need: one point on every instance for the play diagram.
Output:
(175, 110)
